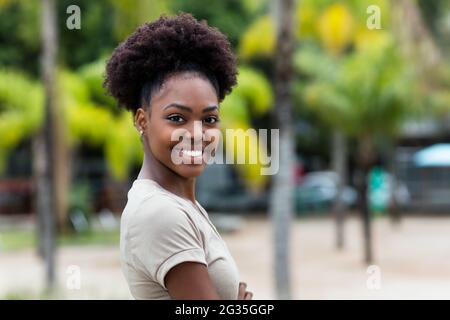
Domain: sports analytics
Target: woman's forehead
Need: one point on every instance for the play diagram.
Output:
(188, 89)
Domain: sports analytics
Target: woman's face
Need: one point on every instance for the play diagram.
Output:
(180, 113)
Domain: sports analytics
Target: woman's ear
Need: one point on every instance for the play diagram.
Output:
(140, 121)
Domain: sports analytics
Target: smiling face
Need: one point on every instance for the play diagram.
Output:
(188, 104)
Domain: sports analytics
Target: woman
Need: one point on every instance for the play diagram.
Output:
(172, 74)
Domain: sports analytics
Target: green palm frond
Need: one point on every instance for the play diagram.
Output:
(21, 109)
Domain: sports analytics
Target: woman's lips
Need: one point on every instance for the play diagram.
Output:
(191, 156)
(192, 153)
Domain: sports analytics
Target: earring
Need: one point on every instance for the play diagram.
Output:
(141, 132)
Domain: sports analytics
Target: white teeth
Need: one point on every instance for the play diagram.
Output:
(192, 153)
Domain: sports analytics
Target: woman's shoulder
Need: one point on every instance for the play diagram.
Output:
(150, 205)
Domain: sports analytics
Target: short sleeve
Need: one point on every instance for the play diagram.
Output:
(164, 236)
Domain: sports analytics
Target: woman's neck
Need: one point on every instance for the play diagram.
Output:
(153, 169)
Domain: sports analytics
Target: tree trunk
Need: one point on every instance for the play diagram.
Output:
(365, 160)
(61, 169)
(339, 166)
(44, 144)
(282, 204)
(394, 210)
(41, 181)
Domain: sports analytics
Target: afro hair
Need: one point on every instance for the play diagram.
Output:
(166, 46)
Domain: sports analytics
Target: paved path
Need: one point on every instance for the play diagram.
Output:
(414, 262)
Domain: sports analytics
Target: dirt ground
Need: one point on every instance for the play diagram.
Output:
(413, 262)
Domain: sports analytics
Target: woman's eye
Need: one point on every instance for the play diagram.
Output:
(211, 120)
(175, 118)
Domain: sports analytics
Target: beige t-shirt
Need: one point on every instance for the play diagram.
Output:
(159, 230)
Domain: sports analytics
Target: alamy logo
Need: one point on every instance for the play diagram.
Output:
(374, 20)
(74, 20)
(208, 147)
(374, 280)
(73, 281)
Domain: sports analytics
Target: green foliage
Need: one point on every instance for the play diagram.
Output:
(19, 35)
(436, 14)
(92, 75)
(21, 109)
(80, 198)
(251, 98)
(234, 111)
(123, 148)
(94, 39)
(368, 92)
(14, 240)
(231, 17)
(87, 121)
(258, 39)
(255, 89)
(96, 124)
(436, 91)
(83, 118)
(129, 14)
(334, 24)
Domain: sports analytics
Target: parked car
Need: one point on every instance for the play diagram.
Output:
(318, 191)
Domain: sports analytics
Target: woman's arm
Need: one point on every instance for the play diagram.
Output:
(190, 281)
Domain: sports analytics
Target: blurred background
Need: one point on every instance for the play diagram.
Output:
(360, 207)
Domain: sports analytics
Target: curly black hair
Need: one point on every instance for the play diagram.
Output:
(169, 45)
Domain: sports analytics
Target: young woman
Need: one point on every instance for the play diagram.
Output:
(172, 73)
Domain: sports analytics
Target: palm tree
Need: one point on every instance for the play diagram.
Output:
(335, 30)
(366, 94)
(282, 204)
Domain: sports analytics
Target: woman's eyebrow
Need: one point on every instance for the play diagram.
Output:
(210, 108)
(177, 105)
(186, 108)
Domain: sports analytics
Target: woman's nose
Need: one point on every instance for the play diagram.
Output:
(196, 132)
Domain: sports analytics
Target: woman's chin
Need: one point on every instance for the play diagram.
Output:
(190, 170)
